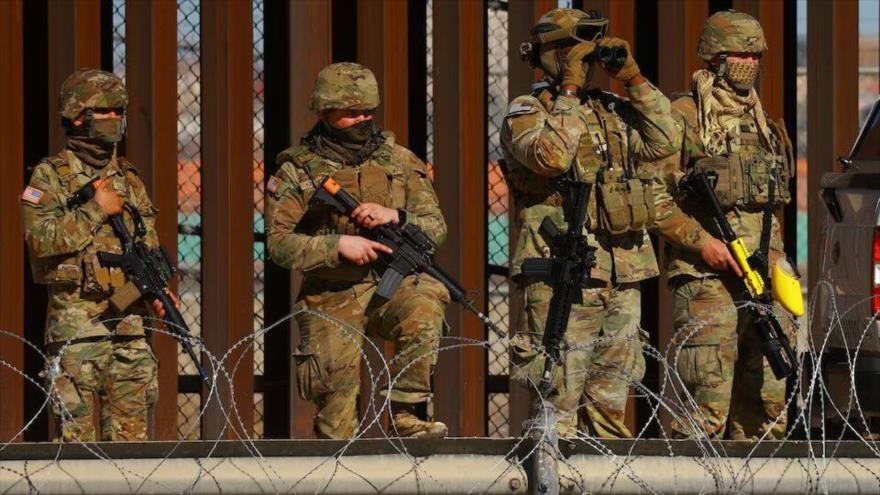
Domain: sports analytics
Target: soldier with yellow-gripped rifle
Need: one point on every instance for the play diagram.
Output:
(99, 363)
(340, 300)
(564, 133)
(731, 146)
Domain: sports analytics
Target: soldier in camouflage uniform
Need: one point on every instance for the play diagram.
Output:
(563, 127)
(726, 134)
(339, 265)
(99, 361)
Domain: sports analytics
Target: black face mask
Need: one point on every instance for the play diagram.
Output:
(359, 133)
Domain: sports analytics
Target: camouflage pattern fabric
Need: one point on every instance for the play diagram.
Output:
(304, 237)
(90, 88)
(711, 359)
(721, 364)
(345, 85)
(543, 136)
(687, 226)
(584, 327)
(731, 31)
(617, 364)
(113, 379)
(328, 359)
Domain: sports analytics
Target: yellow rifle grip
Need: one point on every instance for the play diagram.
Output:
(754, 282)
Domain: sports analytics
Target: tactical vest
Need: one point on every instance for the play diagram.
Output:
(381, 179)
(621, 200)
(751, 166)
(83, 269)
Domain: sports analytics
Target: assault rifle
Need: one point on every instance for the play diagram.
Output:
(412, 251)
(148, 271)
(567, 271)
(776, 346)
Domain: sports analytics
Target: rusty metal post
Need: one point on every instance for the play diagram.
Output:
(382, 46)
(310, 50)
(832, 103)
(460, 178)
(11, 235)
(227, 196)
(74, 42)
(151, 144)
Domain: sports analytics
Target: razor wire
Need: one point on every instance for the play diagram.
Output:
(671, 399)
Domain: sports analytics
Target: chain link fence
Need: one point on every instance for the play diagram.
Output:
(259, 204)
(189, 214)
(497, 214)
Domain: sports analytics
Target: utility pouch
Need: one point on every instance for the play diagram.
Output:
(729, 183)
(96, 278)
(311, 379)
(124, 296)
(627, 205)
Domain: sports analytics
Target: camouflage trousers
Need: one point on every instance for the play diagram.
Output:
(111, 379)
(328, 360)
(602, 357)
(722, 365)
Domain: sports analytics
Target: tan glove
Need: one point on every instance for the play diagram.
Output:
(629, 69)
(574, 72)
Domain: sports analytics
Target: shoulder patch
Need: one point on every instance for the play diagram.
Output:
(518, 108)
(272, 184)
(32, 195)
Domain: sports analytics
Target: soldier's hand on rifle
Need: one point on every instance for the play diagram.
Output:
(159, 310)
(371, 215)
(107, 199)
(574, 72)
(360, 250)
(717, 256)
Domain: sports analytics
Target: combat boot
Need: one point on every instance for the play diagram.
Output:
(408, 424)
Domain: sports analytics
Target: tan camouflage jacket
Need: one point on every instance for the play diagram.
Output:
(604, 137)
(687, 224)
(304, 236)
(63, 243)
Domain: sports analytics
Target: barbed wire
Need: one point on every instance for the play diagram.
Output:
(724, 467)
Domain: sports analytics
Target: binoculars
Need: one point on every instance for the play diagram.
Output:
(612, 57)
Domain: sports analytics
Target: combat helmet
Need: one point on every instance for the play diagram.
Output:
(345, 85)
(731, 31)
(90, 89)
(558, 28)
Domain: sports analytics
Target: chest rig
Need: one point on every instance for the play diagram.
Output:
(84, 268)
(379, 180)
(605, 158)
(753, 173)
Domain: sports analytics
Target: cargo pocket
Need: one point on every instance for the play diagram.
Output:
(701, 365)
(134, 362)
(311, 379)
(67, 399)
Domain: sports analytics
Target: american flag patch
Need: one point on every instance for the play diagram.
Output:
(272, 185)
(32, 195)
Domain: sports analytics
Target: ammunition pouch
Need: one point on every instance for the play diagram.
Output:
(743, 179)
(626, 204)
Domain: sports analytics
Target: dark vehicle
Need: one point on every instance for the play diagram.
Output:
(846, 325)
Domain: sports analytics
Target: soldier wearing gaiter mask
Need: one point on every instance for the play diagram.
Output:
(100, 365)
(728, 136)
(340, 265)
